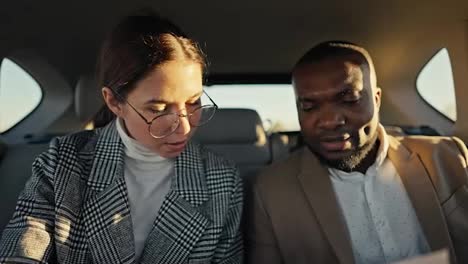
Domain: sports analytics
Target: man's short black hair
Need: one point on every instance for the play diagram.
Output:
(335, 49)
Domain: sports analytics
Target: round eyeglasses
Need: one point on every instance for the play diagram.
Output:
(165, 124)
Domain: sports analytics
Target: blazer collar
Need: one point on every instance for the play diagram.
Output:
(108, 165)
(317, 187)
(422, 194)
(183, 217)
(108, 160)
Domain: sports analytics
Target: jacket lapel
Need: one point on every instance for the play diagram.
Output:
(106, 211)
(182, 219)
(422, 195)
(317, 187)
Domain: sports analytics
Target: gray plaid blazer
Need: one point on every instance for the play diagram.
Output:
(75, 208)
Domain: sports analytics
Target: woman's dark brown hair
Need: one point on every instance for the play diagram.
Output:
(135, 47)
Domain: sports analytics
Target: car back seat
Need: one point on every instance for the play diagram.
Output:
(279, 146)
(3, 149)
(16, 160)
(88, 98)
(15, 170)
(238, 134)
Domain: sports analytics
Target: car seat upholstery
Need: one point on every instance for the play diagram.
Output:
(238, 134)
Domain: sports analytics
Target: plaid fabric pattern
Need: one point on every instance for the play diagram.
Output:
(75, 208)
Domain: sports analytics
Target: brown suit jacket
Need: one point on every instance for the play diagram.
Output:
(293, 214)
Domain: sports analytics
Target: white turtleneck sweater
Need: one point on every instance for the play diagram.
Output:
(148, 178)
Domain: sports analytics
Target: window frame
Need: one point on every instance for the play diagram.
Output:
(454, 87)
(247, 79)
(41, 100)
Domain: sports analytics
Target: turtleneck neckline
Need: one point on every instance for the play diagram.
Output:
(134, 149)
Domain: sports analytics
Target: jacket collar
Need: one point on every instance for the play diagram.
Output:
(422, 194)
(108, 158)
(108, 165)
(317, 187)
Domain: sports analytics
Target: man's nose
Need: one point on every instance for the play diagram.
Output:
(330, 118)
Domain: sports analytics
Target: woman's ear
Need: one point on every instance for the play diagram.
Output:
(112, 103)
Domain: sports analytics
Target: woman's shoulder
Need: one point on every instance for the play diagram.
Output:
(75, 141)
(63, 150)
(212, 158)
(216, 165)
(69, 147)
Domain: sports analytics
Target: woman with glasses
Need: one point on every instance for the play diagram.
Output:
(134, 190)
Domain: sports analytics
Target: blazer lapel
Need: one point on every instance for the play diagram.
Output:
(422, 195)
(106, 211)
(318, 189)
(182, 219)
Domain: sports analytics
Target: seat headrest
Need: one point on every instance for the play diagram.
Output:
(88, 98)
(394, 131)
(233, 126)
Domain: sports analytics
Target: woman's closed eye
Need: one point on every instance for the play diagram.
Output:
(194, 103)
(157, 109)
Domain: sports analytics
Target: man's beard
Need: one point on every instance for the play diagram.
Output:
(352, 161)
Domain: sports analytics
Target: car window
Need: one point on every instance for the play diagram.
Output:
(435, 84)
(275, 103)
(20, 94)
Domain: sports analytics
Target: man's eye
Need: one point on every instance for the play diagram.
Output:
(351, 101)
(307, 106)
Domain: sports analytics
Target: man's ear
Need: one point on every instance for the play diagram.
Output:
(112, 103)
(378, 97)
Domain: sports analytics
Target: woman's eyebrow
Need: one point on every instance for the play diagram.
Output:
(196, 95)
(156, 101)
(161, 101)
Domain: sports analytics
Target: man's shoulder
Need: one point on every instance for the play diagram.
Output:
(432, 143)
(281, 171)
(445, 160)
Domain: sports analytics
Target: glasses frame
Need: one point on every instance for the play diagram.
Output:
(179, 115)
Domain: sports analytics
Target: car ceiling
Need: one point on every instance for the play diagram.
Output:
(265, 38)
(239, 36)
